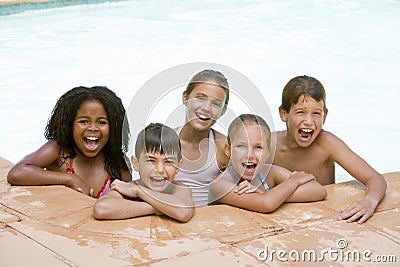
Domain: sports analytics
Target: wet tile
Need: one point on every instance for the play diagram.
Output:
(93, 249)
(12, 244)
(336, 243)
(220, 256)
(147, 226)
(292, 216)
(216, 220)
(343, 194)
(388, 223)
(44, 202)
(6, 217)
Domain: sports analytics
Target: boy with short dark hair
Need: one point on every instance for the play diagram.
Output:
(157, 158)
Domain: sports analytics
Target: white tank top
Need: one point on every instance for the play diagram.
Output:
(199, 180)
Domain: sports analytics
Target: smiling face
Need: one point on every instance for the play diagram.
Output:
(248, 151)
(156, 170)
(90, 128)
(204, 105)
(304, 120)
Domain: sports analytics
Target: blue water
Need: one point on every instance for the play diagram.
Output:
(352, 47)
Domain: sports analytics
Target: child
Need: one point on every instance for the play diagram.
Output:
(85, 150)
(259, 187)
(306, 146)
(205, 98)
(157, 159)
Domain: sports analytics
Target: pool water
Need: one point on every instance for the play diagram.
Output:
(352, 47)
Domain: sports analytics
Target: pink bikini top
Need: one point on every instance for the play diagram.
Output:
(106, 186)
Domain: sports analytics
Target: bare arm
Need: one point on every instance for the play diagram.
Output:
(376, 185)
(30, 170)
(261, 202)
(114, 206)
(306, 192)
(178, 205)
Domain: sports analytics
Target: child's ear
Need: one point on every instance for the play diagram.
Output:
(184, 98)
(135, 163)
(325, 114)
(283, 114)
(227, 150)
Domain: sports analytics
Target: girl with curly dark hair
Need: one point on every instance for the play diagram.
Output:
(87, 142)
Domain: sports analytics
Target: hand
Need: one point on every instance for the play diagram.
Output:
(127, 189)
(246, 187)
(359, 211)
(301, 177)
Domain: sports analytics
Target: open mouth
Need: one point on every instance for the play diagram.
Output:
(202, 117)
(249, 167)
(306, 134)
(91, 142)
(157, 180)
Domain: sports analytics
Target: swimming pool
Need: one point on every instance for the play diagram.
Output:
(352, 47)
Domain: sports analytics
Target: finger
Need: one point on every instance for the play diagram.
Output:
(355, 217)
(91, 192)
(364, 218)
(347, 212)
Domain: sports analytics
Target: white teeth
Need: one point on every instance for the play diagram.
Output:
(307, 130)
(157, 179)
(92, 138)
(202, 117)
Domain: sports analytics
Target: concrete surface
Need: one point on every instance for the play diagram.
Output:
(53, 226)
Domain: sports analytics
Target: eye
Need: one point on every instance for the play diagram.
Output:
(83, 121)
(217, 103)
(103, 122)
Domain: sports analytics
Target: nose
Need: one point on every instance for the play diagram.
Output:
(308, 119)
(206, 106)
(160, 167)
(250, 153)
(92, 126)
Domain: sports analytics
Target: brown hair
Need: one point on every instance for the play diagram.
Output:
(213, 77)
(246, 119)
(302, 85)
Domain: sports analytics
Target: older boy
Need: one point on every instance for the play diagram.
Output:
(157, 158)
(305, 146)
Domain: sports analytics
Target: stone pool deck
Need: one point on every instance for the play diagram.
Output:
(54, 226)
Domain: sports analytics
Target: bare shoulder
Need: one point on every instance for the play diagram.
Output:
(49, 152)
(328, 139)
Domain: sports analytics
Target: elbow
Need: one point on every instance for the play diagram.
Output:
(323, 194)
(267, 206)
(13, 176)
(102, 210)
(185, 214)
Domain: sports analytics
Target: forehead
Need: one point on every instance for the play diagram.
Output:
(249, 132)
(308, 102)
(92, 104)
(158, 155)
(210, 90)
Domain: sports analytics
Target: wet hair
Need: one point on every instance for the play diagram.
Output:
(247, 119)
(302, 86)
(60, 126)
(212, 77)
(158, 138)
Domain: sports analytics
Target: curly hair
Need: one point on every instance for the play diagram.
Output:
(60, 126)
